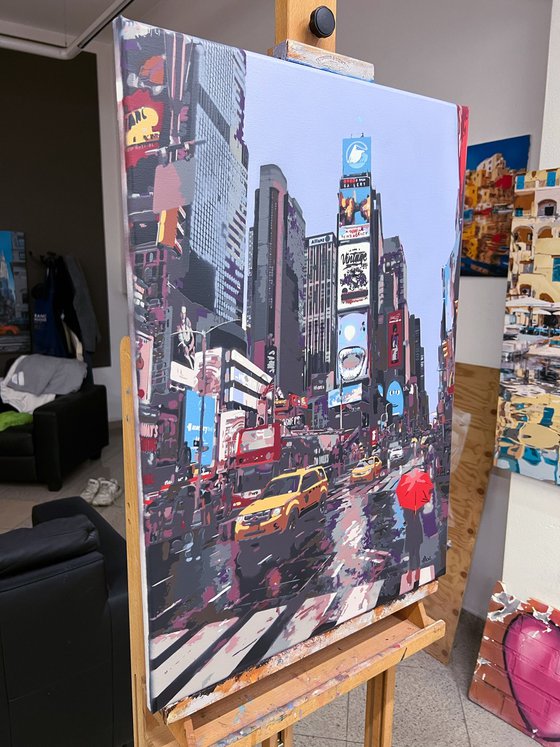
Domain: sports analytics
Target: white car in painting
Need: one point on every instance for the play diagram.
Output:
(395, 453)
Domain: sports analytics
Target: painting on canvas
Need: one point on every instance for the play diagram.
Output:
(489, 187)
(294, 242)
(528, 428)
(517, 676)
(15, 336)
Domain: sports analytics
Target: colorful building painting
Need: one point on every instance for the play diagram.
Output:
(492, 169)
(528, 428)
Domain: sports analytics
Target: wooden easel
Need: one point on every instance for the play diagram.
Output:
(264, 710)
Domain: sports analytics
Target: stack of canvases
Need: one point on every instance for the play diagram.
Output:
(518, 670)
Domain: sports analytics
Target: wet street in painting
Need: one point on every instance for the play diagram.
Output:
(265, 595)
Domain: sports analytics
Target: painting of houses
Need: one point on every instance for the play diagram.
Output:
(528, 430)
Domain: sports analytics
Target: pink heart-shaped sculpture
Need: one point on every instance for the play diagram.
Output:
(534, 674)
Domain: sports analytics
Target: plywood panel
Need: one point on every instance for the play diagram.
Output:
(476, 396)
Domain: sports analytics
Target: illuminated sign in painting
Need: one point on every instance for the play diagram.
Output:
(356, 155)
(394, 343)
(352, 351)
(353, 278)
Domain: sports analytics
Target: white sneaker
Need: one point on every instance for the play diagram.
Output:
(109, 490)
(91, 490)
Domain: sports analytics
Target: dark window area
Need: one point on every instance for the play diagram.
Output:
(50, 175)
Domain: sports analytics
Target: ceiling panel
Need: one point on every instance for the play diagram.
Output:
(64, 16)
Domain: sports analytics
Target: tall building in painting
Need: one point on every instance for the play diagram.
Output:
(320, 304)
(359, 247)
(19, 271)
(379, 353)
(399, 335)
(277, 289)
(216, 219)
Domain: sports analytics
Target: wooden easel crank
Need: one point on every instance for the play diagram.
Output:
(265, 711)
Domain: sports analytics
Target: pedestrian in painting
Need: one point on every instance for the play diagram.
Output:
(227, 495)
(186, 460)
(414, 536)
(206, 503)
(430, 460)
(414, 491)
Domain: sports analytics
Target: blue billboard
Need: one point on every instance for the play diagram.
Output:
(356, 155)
(350, 393)
(395, 397)
(193, 403)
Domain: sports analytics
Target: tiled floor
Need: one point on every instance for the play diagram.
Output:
(431, 708)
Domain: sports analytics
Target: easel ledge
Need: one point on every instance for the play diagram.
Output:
(262, 710)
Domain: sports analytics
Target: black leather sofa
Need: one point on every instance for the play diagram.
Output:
(64, 433)
(64, 631)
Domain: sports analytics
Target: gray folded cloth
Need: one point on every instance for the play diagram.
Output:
(46, 374)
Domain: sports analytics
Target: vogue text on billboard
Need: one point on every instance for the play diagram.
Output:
(353, 278)
(394, 327)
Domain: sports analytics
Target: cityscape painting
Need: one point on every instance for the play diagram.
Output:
(528, 427)
(15, 335)
(293, 257)
(489, 189)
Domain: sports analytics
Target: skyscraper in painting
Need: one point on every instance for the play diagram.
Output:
(278, 280)
(216, 219)
(320, 304)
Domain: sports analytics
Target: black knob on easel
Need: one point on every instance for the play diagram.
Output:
(321, 22)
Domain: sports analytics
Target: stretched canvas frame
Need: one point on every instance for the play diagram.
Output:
(217, 315)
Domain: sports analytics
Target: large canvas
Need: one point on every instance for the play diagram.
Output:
(528, 428)
(489, 188)
(294, 243)
(15, 336)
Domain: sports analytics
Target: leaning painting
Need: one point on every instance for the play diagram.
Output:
(15, 336)
(294, 243)
(528, 429)
(492, 169)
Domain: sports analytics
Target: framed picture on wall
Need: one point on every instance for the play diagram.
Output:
(15, 335)
(492, 169)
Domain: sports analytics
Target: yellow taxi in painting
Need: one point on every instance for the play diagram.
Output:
(283, 500)
(366, 469)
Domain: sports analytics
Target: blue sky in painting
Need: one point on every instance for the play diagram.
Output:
(297, 117)
(6, 245)
(514, 149)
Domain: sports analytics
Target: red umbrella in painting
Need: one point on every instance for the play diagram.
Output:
(414, 489)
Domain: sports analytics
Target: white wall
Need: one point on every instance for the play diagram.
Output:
(114, 225)
(532, 554)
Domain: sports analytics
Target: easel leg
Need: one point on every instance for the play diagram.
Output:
(284, 738)
(380, 704)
